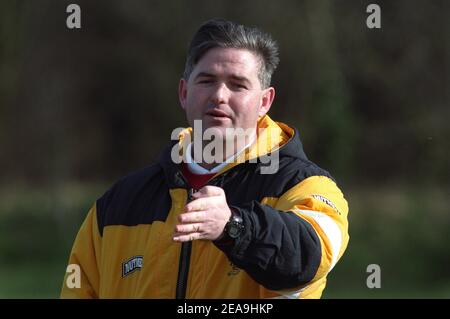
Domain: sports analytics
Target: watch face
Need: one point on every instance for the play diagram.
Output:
(234, 229)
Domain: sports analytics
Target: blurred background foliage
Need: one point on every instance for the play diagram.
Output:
(81, 108)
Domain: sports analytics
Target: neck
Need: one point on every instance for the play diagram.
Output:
(209, 154)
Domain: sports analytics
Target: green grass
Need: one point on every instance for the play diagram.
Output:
(28, 280)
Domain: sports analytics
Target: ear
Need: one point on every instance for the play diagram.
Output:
(266, 101)
(182, 93)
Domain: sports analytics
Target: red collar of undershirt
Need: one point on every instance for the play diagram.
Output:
(196, 181)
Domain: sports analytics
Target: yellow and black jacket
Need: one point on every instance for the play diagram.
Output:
(296, 230)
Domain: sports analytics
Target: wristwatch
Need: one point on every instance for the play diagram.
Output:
(235, 226)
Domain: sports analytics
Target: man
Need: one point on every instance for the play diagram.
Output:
(204, 225)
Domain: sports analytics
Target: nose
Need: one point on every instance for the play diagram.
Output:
(220, 94)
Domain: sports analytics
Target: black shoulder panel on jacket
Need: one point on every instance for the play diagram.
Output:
(245, 183)
(306, 169)
(139, 198)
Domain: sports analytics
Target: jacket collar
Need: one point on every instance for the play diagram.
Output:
(272, 137)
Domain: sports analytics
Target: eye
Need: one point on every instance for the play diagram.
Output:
(204, 81)
(240, 86)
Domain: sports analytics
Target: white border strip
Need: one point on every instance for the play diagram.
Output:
(330, 228)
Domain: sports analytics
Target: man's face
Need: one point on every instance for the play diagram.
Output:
(224, 91)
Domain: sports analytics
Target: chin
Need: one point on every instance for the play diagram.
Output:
(216, 130)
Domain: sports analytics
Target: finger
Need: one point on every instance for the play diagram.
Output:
(188, 228)
(208, 190)
(187, 237)
(200, 204)
(195, 217)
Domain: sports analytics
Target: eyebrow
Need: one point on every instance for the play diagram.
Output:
(233, 76)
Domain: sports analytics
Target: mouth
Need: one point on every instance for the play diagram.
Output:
(217, 113)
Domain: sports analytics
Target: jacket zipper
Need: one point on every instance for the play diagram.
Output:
(183, 270)
(185, 254)
(185, 258)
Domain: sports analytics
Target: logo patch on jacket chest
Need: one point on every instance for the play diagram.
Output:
(131, 265)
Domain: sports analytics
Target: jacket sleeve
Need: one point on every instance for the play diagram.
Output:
(82, 281)
(295, 240)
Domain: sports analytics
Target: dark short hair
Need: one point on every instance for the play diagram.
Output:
(226, 34)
